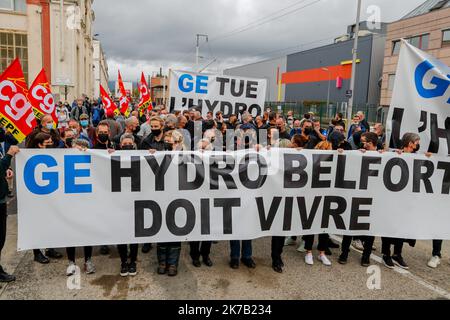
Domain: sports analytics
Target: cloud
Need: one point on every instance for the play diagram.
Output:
(148, 34)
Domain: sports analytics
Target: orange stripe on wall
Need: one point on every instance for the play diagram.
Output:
(316, 75)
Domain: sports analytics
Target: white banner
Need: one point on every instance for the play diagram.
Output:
(231, 95)
(420, 101)
(68, 198)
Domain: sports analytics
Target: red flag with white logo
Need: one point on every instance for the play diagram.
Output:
(108, 104)
(16, 112)
(124, 103)
(146, 100)
(41, 98)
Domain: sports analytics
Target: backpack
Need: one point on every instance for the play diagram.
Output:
(96, 117)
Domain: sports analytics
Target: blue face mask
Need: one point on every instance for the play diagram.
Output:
(49, 126)
(84, 123)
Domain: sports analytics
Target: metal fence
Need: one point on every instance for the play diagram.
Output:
(374, 113)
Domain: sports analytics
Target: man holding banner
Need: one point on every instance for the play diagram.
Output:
(5, 172)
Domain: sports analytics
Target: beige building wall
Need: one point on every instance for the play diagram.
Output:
(72, 49)
(34, 41)
(433, 23)
(71, 38)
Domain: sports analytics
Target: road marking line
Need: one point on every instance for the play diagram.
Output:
(405, 273)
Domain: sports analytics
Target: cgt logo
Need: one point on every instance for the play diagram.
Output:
(189, 83)
(51, 178)
(440, 85)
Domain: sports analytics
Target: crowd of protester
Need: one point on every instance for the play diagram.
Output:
(85, 125)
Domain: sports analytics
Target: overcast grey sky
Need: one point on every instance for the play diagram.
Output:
(143, 35)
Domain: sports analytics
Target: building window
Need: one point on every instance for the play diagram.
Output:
(391, 82)
(13, 45)
(446, 38)
(13, 5)
(396, 47)
(420, 42)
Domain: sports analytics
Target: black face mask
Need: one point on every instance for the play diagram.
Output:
(128, 147)
(168, 146)
(69, 142)
(416, 149)
(136, 131)
(156, 132)
(103, 138)
(308, 131)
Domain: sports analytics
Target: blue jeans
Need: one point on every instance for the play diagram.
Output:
(168, 253)
(235, 246)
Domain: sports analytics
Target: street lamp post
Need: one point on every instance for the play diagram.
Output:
(355, 56)
(329, 85)
(197, 48)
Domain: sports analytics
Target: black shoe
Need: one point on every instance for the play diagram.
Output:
(104, 250)
(196, 263)
(277, 266)
(207, 261)
(162, 268)
(249, 263)
(387, 261)
(365, 261)
(6, 278)
(398, 260)
(332, 244)
(52, 253)
(132, 269)
(328, 252)
(146, 248)
(234, 263)
(41, 258)
(343, 258)
(172, 271)
(124, 271)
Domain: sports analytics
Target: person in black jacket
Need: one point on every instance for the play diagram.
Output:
(5, 172)
(155, 140)
(131, 127)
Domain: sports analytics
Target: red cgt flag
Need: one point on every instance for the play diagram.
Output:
(16, 112)
(41, 98)
(124, 102)
(108, 104)
(146, 100)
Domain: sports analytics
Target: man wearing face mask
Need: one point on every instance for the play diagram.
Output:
(131, 127)
(309, 138)
(68, 137)
(46, 126)
(75, 127)
(102, 140)
(155, 140)
(86, 127)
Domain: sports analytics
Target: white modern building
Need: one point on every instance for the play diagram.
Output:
(100, 69)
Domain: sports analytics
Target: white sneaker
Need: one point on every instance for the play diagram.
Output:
(89, 267)
(309, 260)
(301, 246)
(289, 241)
(325, 260)
(434, 262)
(71, 269)
(357, 245)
